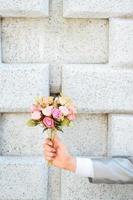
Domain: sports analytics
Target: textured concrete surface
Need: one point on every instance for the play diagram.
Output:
(100, 82)
(24, 8)
(22, 40)
(54, 183)
(23, 178)
(120, 134)
(97, 9)
(79, 188)
(99, 88)
(0, 40)
(55, 41)
(87, 136)
(121, 32)
(18, 139)
(20, 84)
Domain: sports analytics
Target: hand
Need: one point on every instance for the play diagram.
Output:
(57, 152)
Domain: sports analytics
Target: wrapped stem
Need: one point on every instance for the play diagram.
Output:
(51, 136)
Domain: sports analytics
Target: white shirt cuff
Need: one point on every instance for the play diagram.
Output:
(84, 167)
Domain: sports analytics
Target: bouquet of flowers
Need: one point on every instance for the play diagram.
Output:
(52, 113)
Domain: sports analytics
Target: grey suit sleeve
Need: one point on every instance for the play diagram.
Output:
(112, 170)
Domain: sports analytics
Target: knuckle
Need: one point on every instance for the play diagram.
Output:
(48, 149)
(52, 154)
(45, 145)
(49, 158)
(49, 152)
(45, 141)
(50, 142)
(53, 150)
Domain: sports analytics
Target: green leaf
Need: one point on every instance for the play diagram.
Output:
(71, 124)
(32, 123)
(45, 129)
(65, 122)
(59, 129)
(57, 122)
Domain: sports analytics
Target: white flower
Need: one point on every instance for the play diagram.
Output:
(47, 111)
(64, 110)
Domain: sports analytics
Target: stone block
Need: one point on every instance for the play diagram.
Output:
(24, 8)
(99, 88)
(54, 41)
(97, 9)
(0, 41)
(22, 40)
(120, 134)
(20, 84)
(121, 42)
(23, 178)
(16, 138)
(77, 188)
(87, 136)
(54, 183)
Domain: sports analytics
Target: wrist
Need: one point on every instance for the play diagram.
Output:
(70, 164)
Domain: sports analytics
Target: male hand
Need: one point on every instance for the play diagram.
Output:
(57, 152)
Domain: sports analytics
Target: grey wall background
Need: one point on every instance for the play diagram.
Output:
(84, 49)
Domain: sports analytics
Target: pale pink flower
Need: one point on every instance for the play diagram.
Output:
(36, 115)
(48, 122)
(56, 113)
(47, 111)
(72, 110)
(64, 110)
(35, 108)
(39, 108)
(71, 117)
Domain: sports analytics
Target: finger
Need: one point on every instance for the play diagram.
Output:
(57, 141)
(49, 154)
(48, 158)
(49, 149)
(48, 142)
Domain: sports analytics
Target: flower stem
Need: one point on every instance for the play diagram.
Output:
(51, 136)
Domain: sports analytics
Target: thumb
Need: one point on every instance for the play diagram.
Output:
(57, 141)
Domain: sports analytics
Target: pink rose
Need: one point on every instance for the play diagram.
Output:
(64, 110)
(47, 111)
(48, 122)
(56, 113)
(36, 115)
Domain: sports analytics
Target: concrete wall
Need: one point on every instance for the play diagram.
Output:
(84, 49)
